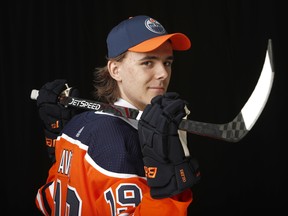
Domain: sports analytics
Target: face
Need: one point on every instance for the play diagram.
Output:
(142, 76)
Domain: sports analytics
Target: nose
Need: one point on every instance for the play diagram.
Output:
(162, 72)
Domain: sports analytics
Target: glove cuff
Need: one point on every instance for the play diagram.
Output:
(50, 138)
(50, 141)
(182, 177)
(187, 174)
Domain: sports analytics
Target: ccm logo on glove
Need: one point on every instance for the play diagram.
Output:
(150, 172)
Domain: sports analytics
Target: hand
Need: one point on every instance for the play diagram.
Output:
(168, 170)
(54, 116)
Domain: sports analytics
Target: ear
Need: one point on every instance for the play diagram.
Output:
(113, 68)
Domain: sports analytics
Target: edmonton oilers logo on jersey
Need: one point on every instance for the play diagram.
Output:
(154, 26)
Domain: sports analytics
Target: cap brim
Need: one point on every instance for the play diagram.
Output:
(179, 42)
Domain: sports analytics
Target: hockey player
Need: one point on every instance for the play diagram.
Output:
(109, 165)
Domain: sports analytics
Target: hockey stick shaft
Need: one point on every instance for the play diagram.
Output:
(232, 131)
(194, 127)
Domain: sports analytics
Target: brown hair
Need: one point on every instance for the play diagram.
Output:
(105, 87)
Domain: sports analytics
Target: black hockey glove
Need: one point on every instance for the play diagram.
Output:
(54, 116)
(168, 170)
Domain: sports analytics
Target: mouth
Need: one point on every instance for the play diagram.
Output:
(157, 89)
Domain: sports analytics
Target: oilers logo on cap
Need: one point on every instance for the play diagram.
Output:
(142, 34)
(154, 26)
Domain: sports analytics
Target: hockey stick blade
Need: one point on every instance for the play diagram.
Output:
(238, 128)
(232, 131)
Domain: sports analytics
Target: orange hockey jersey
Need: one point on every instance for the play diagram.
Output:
(99, 171)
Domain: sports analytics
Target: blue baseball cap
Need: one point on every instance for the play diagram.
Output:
(142, 34)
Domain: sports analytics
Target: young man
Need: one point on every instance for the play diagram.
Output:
(109, 165)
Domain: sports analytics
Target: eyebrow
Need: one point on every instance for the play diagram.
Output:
(150, 57)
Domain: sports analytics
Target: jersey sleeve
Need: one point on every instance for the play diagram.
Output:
(99, 171)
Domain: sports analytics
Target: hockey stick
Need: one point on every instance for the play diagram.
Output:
(232, 131)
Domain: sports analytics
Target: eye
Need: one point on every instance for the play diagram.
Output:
(168, 63)
(147, 63)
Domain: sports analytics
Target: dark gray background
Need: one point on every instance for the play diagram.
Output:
(46, 40)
